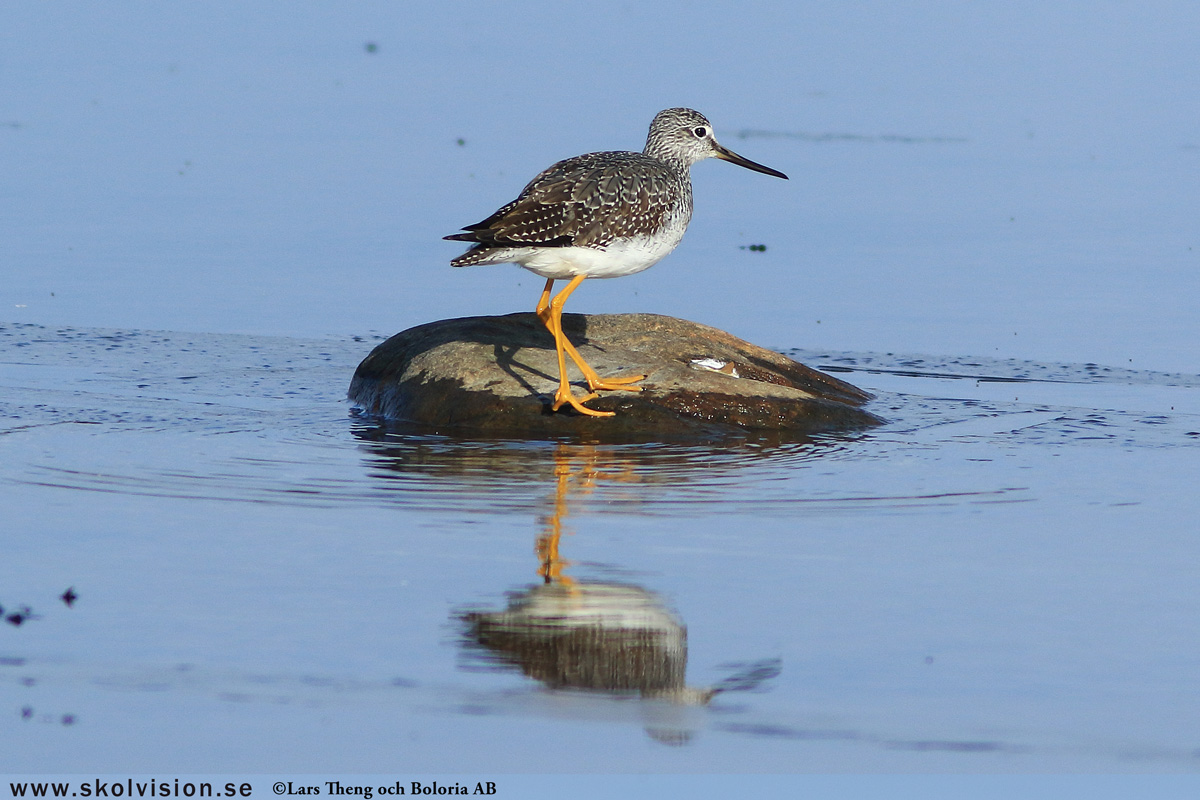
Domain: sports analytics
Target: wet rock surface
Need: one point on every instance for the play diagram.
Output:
(497, 375)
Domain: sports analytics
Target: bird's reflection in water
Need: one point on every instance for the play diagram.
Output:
(616, 638)
(569, 634)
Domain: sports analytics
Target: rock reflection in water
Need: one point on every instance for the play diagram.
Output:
(419, 469)
(607, 637)
(602, 637)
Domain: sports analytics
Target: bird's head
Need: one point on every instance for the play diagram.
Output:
(683, 135)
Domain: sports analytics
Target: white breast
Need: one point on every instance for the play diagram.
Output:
(622, 257)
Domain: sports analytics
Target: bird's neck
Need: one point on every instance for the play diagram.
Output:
(658, 149)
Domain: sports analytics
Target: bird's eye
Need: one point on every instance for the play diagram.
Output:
(701, 132)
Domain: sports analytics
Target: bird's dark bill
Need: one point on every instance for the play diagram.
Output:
(726, 154)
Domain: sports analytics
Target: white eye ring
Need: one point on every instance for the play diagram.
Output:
(700, 132)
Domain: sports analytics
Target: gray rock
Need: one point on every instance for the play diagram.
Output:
(496, 375)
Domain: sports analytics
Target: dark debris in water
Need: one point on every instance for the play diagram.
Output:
(20, 616)
(29, 714)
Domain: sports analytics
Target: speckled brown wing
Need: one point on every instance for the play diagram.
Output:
(586, 201)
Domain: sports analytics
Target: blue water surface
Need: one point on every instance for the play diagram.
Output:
(212, 212)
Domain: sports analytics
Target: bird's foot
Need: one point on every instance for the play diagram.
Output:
(564, 397)
(616, 384)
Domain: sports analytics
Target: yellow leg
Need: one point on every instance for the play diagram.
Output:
(543, 306)
(551, 322)
(547, 544)
(553, 319)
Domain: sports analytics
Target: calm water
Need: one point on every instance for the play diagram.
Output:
(212, 214)
(997, 580)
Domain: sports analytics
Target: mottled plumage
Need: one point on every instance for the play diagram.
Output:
(600, 215)
(586, 201)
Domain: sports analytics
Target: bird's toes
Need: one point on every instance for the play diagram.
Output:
(561, 399)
